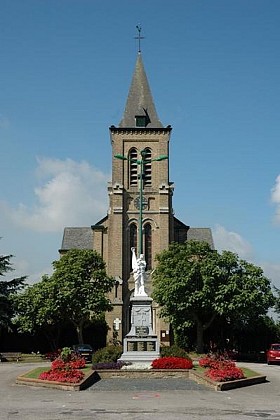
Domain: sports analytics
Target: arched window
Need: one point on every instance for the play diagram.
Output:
(148, 245)
(133, 169)
(148, 168)
(132, 240)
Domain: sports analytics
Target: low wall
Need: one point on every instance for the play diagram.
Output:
(98, 375)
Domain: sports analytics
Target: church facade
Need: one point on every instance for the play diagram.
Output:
(140, 213)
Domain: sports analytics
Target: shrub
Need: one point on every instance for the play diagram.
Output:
(66, 354)
(174, 351)
(172, 363)
(107, 354)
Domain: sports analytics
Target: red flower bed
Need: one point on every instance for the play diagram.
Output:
(220, 369)
(225, 374)
(172, 363)
(208, 362)
(59, 375)
(64, 371)
(212, 359)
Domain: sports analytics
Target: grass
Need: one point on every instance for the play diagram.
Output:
(248, 373)
(34, 374)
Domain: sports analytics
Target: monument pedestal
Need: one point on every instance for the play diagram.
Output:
(141, 343)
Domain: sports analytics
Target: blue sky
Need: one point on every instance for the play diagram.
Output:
(213, 68)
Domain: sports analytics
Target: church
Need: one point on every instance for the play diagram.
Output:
(140, 212)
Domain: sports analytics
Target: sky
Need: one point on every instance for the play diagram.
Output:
(65, 71)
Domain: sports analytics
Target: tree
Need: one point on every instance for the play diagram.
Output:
(37, 311)
(7, 290)
(194, 284)
(277, 300)
(75, 292)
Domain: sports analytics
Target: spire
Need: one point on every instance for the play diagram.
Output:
(140, 110)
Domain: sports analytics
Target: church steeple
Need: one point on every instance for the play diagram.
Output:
(140, 110)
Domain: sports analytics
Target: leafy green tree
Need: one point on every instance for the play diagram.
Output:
(75, 292)
(194, 284)
(277, 301)
(37, 311)
(7, 290)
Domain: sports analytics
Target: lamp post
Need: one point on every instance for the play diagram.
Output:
(141, 162)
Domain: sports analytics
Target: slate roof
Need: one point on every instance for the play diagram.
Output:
(140, 99)
(201, 234)
(77, 238)
(82, 237)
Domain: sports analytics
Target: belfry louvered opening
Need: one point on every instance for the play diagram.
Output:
(133, 168)
(148, 168)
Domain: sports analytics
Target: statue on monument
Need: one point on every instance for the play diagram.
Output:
(139, 267)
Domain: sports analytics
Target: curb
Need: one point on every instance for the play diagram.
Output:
(226, 386)
(85, 383)
(97, 375)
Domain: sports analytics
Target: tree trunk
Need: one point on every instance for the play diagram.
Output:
(200, 328)
(53, 335)
(79, 329)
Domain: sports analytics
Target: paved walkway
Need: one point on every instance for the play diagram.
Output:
(170, 384)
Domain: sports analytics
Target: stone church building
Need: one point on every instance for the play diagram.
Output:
(141, 143)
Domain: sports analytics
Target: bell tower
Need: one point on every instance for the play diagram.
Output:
(137, 145)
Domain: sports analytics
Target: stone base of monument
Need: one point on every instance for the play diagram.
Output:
(141, 343)
(140, 349)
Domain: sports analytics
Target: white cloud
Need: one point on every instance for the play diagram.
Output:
(272, 271)
(71, 194)
(275, 198)
(22, 267)
(231, 241)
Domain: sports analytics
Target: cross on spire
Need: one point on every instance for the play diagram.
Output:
(139, 37)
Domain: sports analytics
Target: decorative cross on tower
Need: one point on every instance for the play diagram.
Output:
(139, 37)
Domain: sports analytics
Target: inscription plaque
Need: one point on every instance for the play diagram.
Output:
(142, 331)
(151, 346)
(141, 346)
(131, 346)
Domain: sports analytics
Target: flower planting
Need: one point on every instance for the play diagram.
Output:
(224, 374)
(172, 363)
(66, 368)
(66, 374)
(52, 355)
(220, 369)
(108, 365)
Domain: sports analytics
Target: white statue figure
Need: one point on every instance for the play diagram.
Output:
(138, 267)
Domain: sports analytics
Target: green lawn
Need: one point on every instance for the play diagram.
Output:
(248, 373)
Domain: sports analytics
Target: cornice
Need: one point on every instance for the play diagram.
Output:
(139, 130)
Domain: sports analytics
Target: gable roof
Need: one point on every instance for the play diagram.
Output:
(139, 101)
(201, 234)
(77, 238)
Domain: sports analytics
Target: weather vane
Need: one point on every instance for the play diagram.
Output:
(139, 37)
